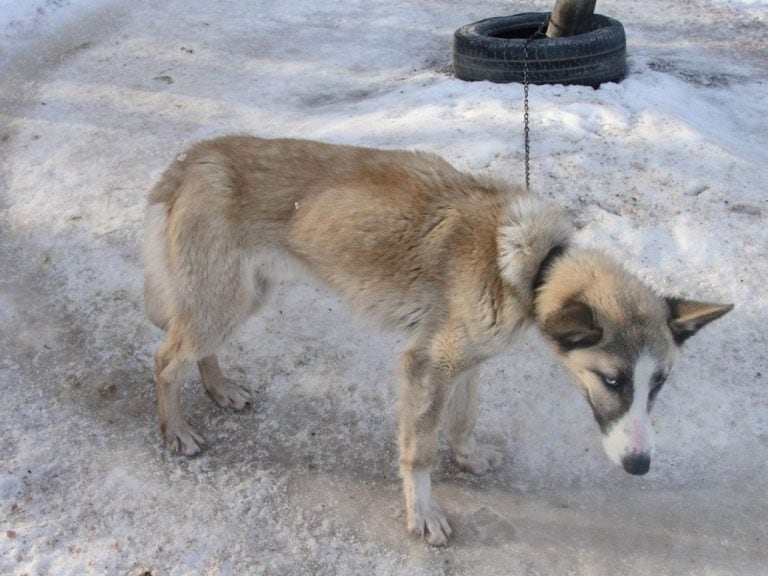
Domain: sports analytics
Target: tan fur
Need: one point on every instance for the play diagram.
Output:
(404, 238)
(622, 306)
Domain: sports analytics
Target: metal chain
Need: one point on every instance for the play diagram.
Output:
(527, 129)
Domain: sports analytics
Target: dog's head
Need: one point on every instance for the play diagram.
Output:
(619, 340)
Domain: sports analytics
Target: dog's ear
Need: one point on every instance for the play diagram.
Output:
(573, 326)
(686, 317)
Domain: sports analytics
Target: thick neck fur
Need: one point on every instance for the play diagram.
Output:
(530, 231)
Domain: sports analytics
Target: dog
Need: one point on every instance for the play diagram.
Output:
(462, 263)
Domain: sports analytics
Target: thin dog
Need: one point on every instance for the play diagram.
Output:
(461, 263)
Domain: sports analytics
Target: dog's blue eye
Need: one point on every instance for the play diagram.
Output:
(610, 382)
(616, 382)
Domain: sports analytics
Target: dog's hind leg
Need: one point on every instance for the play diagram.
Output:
(227, 393)
(201, 320)
(172, 363)
(245, 299)
(459, 424)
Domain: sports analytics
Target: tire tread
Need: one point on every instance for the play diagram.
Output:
(589, 59)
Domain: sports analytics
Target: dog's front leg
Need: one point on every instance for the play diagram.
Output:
(459, 425)
(424, 386)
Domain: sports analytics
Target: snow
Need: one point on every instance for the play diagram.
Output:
(667, 170)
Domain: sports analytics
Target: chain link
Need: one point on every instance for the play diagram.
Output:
(526, 117)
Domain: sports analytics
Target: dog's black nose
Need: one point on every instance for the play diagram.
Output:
(637, 464)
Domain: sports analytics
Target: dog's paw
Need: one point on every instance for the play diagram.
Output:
(184, 440)
(229, 394)
(480, 460)
(429, 523)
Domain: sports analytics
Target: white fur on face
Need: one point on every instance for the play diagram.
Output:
(632, 433)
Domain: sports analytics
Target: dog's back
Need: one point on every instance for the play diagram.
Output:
(381, 228)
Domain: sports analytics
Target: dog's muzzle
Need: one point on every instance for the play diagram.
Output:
(637, 464)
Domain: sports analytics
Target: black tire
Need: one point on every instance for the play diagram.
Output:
(494, 49)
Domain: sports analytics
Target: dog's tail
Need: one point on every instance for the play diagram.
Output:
(158, 287)
(531, 229)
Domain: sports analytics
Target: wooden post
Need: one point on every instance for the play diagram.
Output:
(570, 17)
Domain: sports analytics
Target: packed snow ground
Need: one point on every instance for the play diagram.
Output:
(667, 170)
